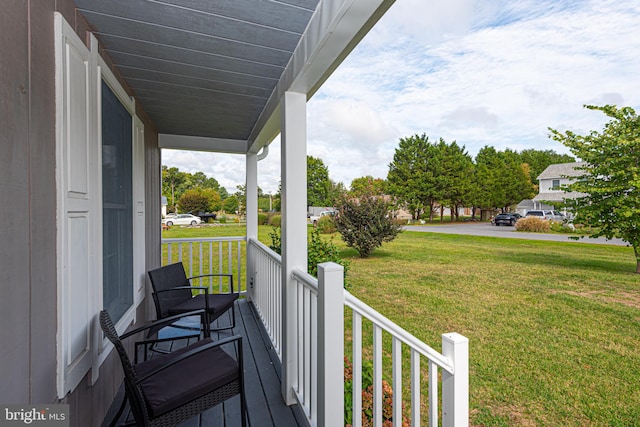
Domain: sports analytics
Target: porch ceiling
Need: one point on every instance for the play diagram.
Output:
(210, 73)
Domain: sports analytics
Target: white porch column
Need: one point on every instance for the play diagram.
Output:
(331, 345)
(455, 388)
(294, 225)
(252, 213)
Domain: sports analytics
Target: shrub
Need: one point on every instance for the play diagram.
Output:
(533, 224)
(326, 225)
(367, 398)
(263, 219)
(276, 240)
(222, 219)
(365, 223)
(320, 251)
(275, 220)
(559, 227)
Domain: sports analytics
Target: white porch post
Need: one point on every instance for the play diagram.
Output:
(294, 226)
(251, 187)
(330, 344)
(455, 388)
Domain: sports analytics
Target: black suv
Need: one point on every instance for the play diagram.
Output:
(509, 218)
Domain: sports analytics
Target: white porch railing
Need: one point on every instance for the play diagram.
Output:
(266, 266)
(208, 255)
(318, 324)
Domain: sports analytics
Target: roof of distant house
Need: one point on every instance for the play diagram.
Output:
(558, 196)
(560, 170)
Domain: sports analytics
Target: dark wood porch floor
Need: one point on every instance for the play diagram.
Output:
(262, 372)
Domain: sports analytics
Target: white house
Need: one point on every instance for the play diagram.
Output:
(552, 179)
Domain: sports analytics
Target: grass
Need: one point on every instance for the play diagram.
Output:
(554, 327)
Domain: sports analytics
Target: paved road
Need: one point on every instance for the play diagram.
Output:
(486, 229)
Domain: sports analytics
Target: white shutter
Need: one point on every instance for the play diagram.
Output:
(78, 205)
(139, 267)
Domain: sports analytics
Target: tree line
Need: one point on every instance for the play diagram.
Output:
(426, 175)
(423, 176)
(195, 192)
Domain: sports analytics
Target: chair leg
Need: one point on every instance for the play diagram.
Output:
(243, 402)
(114, 421)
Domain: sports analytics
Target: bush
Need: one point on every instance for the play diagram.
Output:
(320, 251)
(367, 398)
(276, 240)
(326, 225)
(263, 219)
(222, 219)
(560, 227)
(533, 224)
(275, 220)
(365, 223)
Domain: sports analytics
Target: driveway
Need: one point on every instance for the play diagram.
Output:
(486, 229)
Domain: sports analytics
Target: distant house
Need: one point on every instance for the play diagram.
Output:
(552, 179)
(164, 207)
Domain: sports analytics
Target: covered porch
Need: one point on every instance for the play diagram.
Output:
(326, 327)
(263, 372)
(98, 89)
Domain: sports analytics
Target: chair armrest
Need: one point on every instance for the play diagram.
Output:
(230, 276)
(164, 321)
(195, 351)
(205, 288)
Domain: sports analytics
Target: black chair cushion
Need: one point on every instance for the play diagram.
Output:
(186, 380)
(218, 303)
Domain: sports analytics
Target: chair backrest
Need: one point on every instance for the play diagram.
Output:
(134, 393)
(167, 277)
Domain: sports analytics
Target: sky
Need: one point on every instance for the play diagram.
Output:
(478, 72)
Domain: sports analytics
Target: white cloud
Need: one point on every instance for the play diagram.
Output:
(479, 72)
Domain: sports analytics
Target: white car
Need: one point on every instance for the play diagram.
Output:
(182, 219)
(550, 215)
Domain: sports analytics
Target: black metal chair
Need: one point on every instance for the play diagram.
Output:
(172, 294)
(173, 387)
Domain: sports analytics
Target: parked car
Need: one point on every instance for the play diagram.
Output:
(546, 214)
(182, 219)
(313, 219)
(508, 218)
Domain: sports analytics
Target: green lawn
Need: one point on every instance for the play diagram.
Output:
(554, 328)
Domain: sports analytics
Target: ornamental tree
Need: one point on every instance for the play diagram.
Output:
(611, 176)
(366, 222)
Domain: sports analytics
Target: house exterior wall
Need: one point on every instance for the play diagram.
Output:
(546, 185)
(28, 258)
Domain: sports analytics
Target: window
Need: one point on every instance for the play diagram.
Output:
(100, 206)
(117, 206)
(556, 184)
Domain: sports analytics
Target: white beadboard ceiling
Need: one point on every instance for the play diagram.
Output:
(209, 70)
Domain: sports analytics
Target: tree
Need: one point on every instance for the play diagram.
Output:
(336, 190)
(413, 173)
(611, 179)
(366, 222)
(318, 184)
(199, 200)
(176, 182)
(230, 204)
(502, 179)
(456, 181)
(173, 183)
(367, 185)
